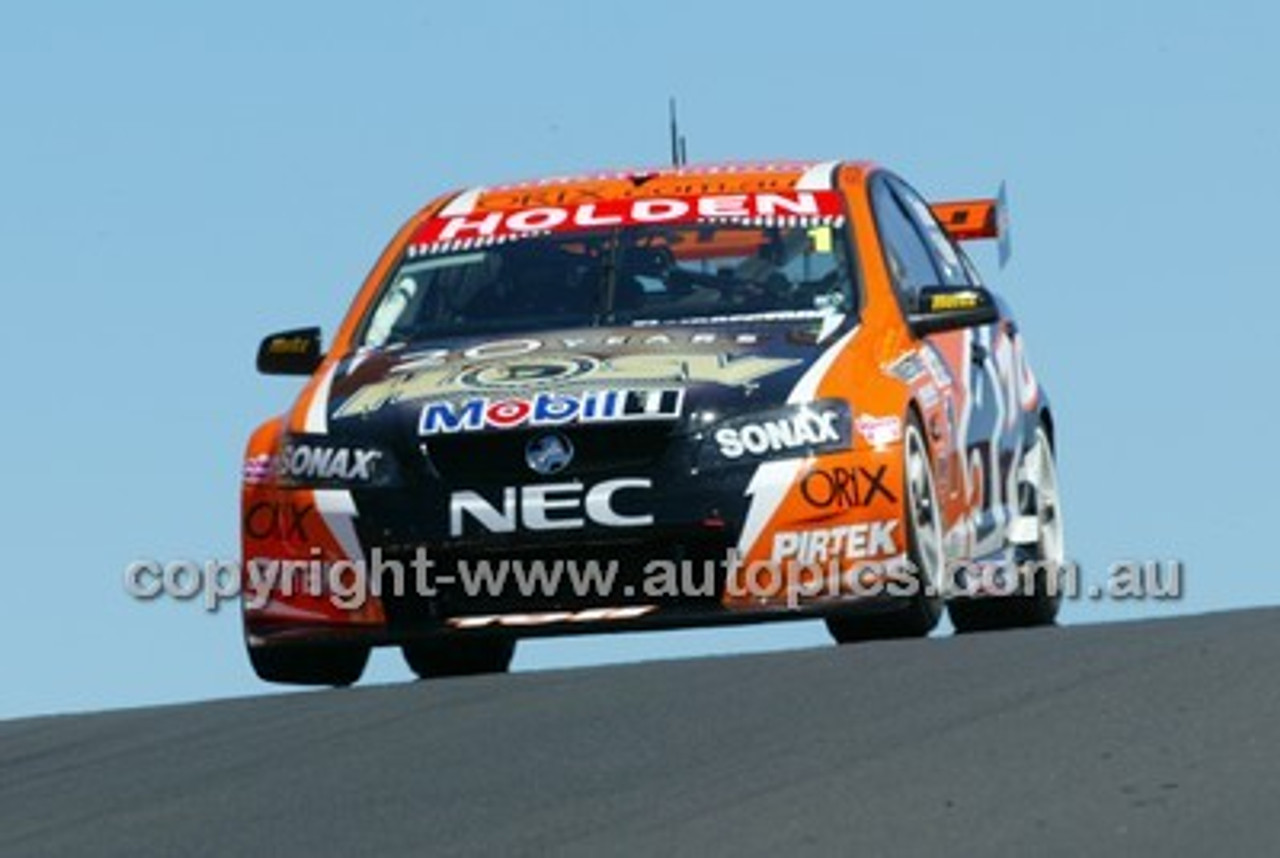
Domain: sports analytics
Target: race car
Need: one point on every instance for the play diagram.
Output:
(653, 399)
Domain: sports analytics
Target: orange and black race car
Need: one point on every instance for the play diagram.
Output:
(646, 400)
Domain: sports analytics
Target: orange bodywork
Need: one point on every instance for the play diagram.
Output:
(859, 370)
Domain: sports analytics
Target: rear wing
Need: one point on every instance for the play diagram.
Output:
(975, 220)
(968, 220)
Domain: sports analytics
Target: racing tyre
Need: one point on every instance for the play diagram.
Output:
(919, 612)
(329, 664)
(444, 658)
(1039, 606)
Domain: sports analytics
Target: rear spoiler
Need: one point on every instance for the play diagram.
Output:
(968, 220)
(974, 220)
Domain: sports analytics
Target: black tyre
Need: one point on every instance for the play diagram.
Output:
(1039, 604)
(442, 658)
(327, 664)
(920, 612)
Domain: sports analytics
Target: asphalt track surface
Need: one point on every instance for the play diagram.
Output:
(1147, 738)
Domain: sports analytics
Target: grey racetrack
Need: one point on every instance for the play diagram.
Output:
(1149, 738)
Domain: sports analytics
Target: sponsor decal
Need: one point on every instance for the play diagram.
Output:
(290, 346)
(257, 469)
(912, 368)
(554, 506)
(936, 366)
(953, 301)
(315, 463)
(426, 358)
(550, 409)
(817, 313)
(736, 177)
(909, 368)
(822, 426)
(848, 542)
(879, 431)
(546, 618)
(434, 382)
(278, 520)
(479, 229)
(786, 434)
(527, 373)
(845, 488)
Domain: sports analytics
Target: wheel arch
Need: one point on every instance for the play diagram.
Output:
(1046, 418)
(914, 410)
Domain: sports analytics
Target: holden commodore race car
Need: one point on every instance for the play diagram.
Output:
(646, 400)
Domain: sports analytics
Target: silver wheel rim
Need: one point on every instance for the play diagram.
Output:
(1048, 511)
(923, 510)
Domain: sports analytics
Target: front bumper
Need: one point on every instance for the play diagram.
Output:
(712, 567)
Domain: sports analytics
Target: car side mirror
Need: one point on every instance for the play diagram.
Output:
(296, 352)
(952, 308)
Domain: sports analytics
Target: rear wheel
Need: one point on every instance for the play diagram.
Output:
(319, 664)
(919, 612)
(442, 658)
(1045, 558)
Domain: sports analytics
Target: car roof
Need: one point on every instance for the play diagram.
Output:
(687, 180)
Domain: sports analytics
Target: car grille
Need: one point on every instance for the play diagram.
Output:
(704, 556)
(493, 457)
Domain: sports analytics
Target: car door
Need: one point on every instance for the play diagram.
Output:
(973, 370)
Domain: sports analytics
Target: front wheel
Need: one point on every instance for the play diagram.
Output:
(437, 659)
(920, 612)
(338, 665)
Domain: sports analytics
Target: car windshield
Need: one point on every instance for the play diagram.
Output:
(630, 275)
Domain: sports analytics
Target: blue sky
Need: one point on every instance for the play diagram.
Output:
(176, 183)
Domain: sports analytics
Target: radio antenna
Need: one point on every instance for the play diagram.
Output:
(679, 150)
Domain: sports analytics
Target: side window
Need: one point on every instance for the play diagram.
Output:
(908, 258)
(975, 278)
(946, 255)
